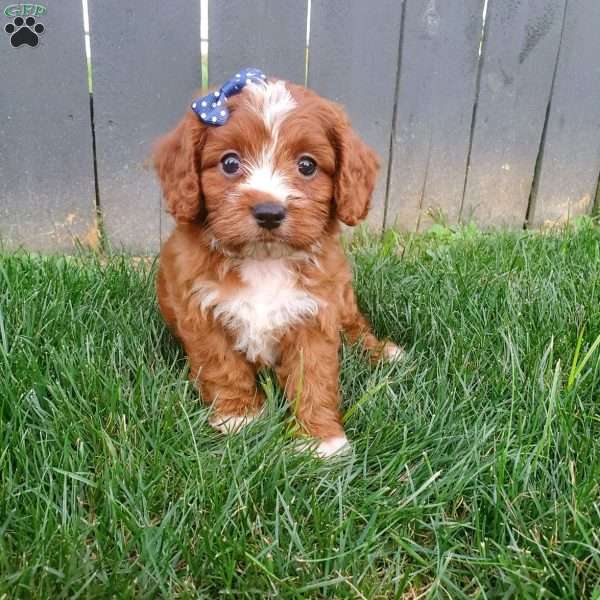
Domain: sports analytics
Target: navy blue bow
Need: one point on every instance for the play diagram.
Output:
(212, 109)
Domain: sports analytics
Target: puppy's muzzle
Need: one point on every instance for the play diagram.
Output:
(269, 215)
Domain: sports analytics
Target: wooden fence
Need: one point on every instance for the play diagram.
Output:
(484, 110)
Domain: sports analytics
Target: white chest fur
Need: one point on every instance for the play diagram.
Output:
(268, 302)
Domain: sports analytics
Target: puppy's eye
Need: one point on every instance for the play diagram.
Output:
(230, 163)
(307, 166)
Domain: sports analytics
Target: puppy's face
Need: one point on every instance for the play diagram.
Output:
(268, 173)
(281, 169)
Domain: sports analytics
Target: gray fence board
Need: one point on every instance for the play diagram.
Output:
(267, 34)
(571, 155)
(438, 75)
(146, 68)
(519, 57)
(471, 130)
(353, 60)
(46, 164)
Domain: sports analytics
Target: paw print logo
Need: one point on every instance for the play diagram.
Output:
(24, 31)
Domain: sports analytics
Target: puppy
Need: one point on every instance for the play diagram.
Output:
(258, 176)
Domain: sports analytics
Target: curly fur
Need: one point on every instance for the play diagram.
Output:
(240, 297)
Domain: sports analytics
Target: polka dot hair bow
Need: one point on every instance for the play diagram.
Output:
(212, 109)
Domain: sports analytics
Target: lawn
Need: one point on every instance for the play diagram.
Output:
(476, 462)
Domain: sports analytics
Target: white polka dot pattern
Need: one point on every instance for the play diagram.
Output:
(211, 112)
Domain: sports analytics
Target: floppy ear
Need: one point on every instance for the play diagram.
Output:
(177, 162)
(356, 172)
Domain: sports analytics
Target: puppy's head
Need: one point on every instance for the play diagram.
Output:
(281, 169)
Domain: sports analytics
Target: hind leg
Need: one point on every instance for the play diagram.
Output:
(358, 330)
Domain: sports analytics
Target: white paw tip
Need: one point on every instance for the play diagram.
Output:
(334, 446)
(392, 353)
(230, 423)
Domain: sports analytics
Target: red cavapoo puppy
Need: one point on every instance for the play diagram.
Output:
(257, 176)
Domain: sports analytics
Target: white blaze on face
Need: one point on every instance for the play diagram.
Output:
(272, 102)
(263, 177)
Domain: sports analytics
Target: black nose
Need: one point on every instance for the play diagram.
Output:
(269, 215)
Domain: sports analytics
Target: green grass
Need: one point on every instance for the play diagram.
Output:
(476, 462)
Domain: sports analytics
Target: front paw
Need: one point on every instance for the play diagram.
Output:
(231, 423)
(335, 446)
(392, 353)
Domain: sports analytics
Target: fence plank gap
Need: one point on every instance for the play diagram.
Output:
(596, 209)
(263, 34)
(570, 157)
(438, 76)
(474, 112)
(145, 70)
(353, 60)
(98, 212)
(46, 163)
(519, 58)
(538, 162)
(390, 162)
